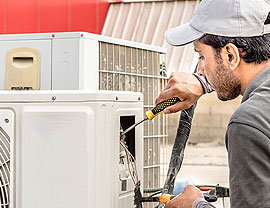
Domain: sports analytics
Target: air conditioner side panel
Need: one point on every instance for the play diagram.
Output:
(56, 164)
(65, 64)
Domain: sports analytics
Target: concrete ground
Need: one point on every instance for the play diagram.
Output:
(205, 164)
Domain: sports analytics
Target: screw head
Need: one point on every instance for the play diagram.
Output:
(139, 98)
(53, 98)
(6, 120)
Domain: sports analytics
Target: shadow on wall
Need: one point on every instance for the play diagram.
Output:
(209, 122)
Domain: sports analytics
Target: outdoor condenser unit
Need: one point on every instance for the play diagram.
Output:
(60, 149)
(85, 61)
(72, 61)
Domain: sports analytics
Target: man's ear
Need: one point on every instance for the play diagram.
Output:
(232, 56)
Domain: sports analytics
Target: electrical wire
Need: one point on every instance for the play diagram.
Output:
(127, 157)
(151, 190)
(131, 164)
(156, 193)
(134, 165)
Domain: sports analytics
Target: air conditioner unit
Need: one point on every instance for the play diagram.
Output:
(60, 149)
(85, 61)
(73, 60)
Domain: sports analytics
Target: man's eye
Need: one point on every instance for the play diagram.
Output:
(201, 57)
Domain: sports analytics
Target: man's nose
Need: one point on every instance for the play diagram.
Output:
(200, 70)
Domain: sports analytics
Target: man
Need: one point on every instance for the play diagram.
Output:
(232, 38)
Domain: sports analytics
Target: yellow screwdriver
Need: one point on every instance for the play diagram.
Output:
(158, 109)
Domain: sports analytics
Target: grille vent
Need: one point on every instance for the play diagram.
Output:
(127, 68)
(4, 169)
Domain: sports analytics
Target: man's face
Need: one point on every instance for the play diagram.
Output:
(218, 74)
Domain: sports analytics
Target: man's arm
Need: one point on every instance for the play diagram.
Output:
(249, 162)
(201, 203)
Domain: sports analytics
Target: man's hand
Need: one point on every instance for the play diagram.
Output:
(186, 198)
(183, 85)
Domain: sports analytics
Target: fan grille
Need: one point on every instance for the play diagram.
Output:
(4, 169)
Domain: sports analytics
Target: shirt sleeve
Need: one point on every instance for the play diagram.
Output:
(205, 84)
(249, 162)
(201, 203)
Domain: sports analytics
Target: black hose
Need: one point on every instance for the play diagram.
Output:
(177, 154)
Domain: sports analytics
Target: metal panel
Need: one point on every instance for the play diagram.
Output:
(147, 21)
(49, 11)
(2, 17)
(21, 16)
(46, 127)
(75, 149)
(52, 16)
(74, 64)
(65, 63)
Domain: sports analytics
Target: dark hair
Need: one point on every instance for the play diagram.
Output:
(254, 49)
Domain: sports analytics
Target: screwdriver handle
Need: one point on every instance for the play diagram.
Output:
(164, 198)
(159, 108)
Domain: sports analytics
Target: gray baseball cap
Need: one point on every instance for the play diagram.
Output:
(229, 18)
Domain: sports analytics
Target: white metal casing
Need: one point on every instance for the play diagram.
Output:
(68, 61)
(64, 147)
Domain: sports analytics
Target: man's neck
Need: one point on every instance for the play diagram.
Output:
(247, 72)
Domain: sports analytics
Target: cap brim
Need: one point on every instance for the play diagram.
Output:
(182, 35)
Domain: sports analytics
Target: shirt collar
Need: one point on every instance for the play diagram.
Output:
(257, 81)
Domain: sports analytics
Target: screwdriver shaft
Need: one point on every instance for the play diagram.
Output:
(133, 126)
(158, 109)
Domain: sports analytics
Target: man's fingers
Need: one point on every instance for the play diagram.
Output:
(186, 198)
(184, 86)
(177, 107)
(166, 94)
(189, 187)
(192, 190)
(173, 80)
(170, 204)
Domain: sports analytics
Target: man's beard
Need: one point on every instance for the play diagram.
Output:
(226, 84)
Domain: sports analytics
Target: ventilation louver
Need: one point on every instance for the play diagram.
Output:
(4, 169)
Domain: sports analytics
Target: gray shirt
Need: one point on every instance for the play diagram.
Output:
(248, 145)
